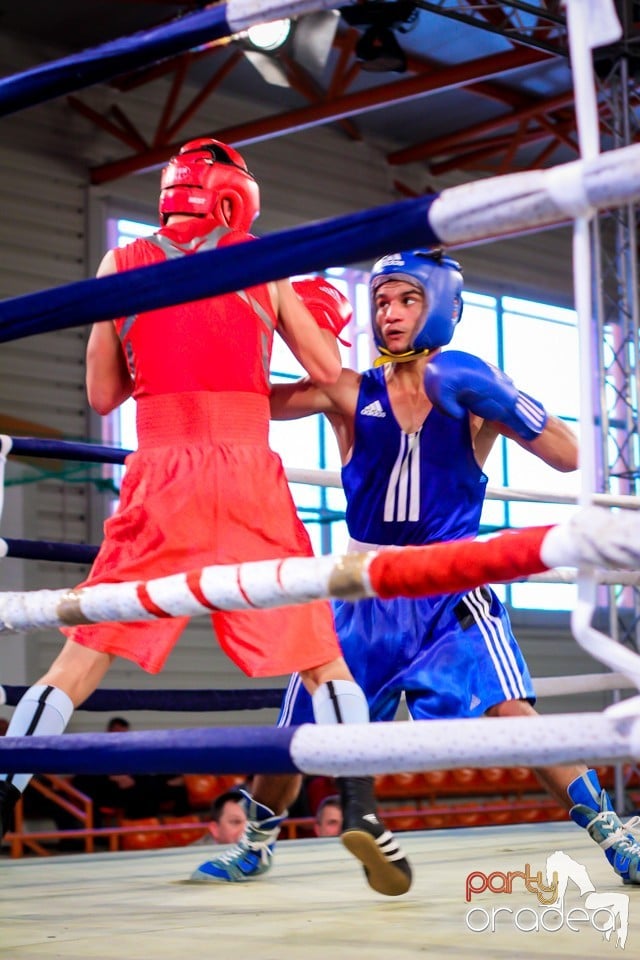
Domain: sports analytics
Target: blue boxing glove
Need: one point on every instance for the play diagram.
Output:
(458, 382)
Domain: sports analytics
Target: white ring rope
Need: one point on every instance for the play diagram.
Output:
(580, 683)
(331, 478)
(244, 586)
(492, 209)
(593, 536)
(358, 749)
(610, 578)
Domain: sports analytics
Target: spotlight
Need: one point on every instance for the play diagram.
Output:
(269, 36)
(379, 51)
(307, 41)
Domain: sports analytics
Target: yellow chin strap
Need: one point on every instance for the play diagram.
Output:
(387, 357)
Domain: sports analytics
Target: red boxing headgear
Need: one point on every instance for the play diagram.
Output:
(201, 176)
(329, 308)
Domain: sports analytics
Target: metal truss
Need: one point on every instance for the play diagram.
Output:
(617, 319)
(540, 25)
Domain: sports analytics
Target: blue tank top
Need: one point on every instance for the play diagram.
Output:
(410, 488)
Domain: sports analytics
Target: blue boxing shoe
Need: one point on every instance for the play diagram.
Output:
(252, 855)
(594, 811)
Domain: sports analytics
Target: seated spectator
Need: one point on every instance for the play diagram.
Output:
(329, 817)
(316, 788)
(135, 796)
(228, 819)
(4, 726)
(118, 725)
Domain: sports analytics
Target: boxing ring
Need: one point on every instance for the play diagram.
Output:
(313, 902)
(138, 905)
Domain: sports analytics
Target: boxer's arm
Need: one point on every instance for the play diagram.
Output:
(108, 379)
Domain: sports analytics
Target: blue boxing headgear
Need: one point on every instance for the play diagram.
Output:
(440, 279)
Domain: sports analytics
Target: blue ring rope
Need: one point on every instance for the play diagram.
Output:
(200, 750)
(111, 59)
(168, 701)
(125, 54)
(67, 450)
(316, 246)
(59, 450)
(50, 550)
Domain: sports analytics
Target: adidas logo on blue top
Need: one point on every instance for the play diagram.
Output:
(373, 410)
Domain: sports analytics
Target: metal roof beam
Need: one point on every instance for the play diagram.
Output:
(349, 105)
(548, 31)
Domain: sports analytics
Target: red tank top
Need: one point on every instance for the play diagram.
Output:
(220, 344)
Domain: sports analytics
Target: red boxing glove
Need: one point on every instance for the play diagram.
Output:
(329, 308)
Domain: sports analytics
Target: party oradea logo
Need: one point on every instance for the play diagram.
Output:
(562, 897)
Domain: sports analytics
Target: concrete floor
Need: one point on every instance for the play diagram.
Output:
(314, 905)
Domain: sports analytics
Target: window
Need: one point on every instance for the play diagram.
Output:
(120, 429)
(536, 343)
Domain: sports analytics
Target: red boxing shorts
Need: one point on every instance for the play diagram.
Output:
(204, 488)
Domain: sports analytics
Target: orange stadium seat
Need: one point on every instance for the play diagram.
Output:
(203, 788)
(182, 838)
(532, 814)
(398, 821)
(495, 776)
(434, 780)
(465, 777)
(142, 839)
(391, 785)
(435, 819)
(498, 817)
(469, 815)
(523, 777)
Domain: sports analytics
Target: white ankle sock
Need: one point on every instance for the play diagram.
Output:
(340, 701)
(42, 711)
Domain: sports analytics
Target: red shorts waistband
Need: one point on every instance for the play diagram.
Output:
(202, 417)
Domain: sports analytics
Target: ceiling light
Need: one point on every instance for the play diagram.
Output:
(269, 36)
(307, 41)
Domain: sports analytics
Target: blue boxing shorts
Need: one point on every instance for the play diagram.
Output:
(452, 656)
